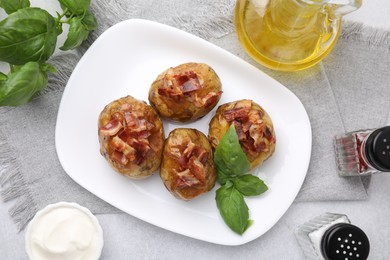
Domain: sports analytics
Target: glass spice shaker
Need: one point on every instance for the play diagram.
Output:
(363, 152)
(331, 236)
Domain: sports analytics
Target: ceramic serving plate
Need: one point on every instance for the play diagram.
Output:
(125, 60)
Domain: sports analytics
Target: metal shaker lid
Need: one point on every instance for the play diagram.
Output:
(378, 149)
(345, 241)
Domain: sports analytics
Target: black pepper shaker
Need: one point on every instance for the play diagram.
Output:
(363, 152)
(331, 236)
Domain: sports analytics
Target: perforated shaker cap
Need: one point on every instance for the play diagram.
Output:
(378, 149)
(345, 241)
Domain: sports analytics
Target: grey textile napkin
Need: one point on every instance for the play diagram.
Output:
(32, 177)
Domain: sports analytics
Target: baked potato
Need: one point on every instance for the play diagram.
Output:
(253, 126)
(131, 137)
(187, 167)
(186, 92)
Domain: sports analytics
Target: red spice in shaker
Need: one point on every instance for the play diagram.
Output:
(363, 152)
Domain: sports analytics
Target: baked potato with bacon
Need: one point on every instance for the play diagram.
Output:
(186, 92)
(187, 167)
(131, 137)
(253, 126)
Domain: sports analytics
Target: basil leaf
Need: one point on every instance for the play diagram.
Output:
(232, 208)
(22, 84)
(29, 34)
(75, 6)
(11, 6)
(250, 185)
(76, 35)
(229, 158)
(89, 21)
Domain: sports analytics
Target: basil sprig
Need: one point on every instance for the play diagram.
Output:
(28, 38)
(236, 182)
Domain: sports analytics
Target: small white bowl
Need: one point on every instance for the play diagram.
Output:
(64, 230)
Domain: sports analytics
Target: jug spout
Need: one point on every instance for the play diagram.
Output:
(338, 8)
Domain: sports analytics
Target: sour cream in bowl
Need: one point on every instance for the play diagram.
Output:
(64, 231)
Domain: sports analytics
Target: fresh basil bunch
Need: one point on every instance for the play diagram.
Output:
(28, 37)
(236, 182)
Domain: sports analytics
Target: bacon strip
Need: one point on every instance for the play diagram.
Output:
(180, 84)
(186, 179)
(111, 128)
(119, 158)
(236, 114)
(211, 98)
(197, 168)
(121, 146)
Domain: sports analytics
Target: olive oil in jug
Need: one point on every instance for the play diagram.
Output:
(288, 35)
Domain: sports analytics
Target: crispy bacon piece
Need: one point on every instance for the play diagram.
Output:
(186, 179)
(121, 146)
(130, 119)
(192, 152)
(192, 161)
(188, 82)
(188, 150)
(119, 157)
(170, 90)
(240, 112)
(111, 128)
(197, 168)
(179, 85)
(201, 154)
(141, 145)
(269, 135)
(211, 98)
(182, 162)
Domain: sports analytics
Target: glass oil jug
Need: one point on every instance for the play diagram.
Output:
(290, 35)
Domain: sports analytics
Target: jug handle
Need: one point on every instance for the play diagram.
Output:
(339, 9)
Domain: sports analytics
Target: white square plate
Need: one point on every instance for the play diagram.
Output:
(125, 60)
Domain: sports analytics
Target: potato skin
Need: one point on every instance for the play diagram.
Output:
(253, 125)
(140, 137)
(187, 167)
(186, 92)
